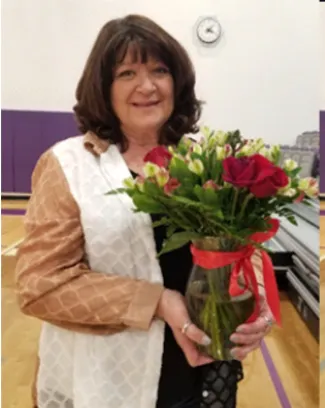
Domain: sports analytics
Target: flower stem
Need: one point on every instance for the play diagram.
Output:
(244, 205)
(234, 203)
(212, 304)
(218, 316)
(216, 340)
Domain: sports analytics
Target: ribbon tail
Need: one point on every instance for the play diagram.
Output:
(271, 288)
(250, 283)
(251, 273)
(234, 288)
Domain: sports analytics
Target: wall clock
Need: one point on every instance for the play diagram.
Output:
(208, 30)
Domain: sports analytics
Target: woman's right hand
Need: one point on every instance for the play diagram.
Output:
(173, 311)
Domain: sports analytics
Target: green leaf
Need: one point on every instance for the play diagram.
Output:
(147, 204)
(215, 166)
(169, 202)
(151, 189)
(185, 190)
(307, 201)
(162, 221)
(188, 202)
(295, 172)
(188, 182)
(196, 156)
(179, 169)
(199, 192)
(170, 230)
(206, 165)
(211, 197)
(177, 240)
(183, 146)
(117, 191)
(292, 220)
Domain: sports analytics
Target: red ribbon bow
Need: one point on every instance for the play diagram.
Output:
(242, 262)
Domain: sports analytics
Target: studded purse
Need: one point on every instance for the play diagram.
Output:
(220, 384)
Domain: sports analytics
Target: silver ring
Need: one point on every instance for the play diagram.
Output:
(186, 326)
(268, 320)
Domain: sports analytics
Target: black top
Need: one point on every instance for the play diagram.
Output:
(179, 382)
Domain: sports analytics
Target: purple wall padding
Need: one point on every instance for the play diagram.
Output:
(7, 152)
(322, 152)
(27, 134)
(30, 133)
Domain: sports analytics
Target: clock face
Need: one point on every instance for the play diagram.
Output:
(208, 30)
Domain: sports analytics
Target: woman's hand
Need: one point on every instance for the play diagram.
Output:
(172, 310)
(248, 336)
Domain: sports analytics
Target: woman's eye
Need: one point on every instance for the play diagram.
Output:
(161, 70)
(125, 74)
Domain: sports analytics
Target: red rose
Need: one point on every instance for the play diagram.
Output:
(256, 172)
(159, 156)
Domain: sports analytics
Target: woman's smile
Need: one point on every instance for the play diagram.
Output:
(148, 104)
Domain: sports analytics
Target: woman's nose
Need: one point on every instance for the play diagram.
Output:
(146, 84)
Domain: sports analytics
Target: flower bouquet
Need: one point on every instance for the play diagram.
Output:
(222, 194)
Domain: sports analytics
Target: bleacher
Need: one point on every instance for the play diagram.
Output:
(296, 248)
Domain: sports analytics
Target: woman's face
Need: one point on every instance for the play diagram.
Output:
(142, 94)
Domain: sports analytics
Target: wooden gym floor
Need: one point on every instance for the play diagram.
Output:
(284, 373)
(322, 306)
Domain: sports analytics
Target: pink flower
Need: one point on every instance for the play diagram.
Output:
(172, 185)
(300, 197)
(159, 156)
(211, 184)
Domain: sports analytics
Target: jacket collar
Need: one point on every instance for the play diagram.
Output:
(94, 144)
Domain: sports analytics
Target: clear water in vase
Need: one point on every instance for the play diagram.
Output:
(214, 311)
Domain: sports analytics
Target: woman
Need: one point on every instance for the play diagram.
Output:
(116, 332)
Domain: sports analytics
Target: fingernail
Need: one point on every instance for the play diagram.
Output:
(234, 355)
(206, 341)
(233, 338)
(239, 329)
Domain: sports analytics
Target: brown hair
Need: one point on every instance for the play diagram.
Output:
(144, 38)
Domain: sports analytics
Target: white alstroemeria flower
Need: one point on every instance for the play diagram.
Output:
(266, 153)
(246, 150)
(150, 169)
(162, 177)
(221, 154)
(197, 149)
(220, 137)
(223, 151)
(289, 192)
(258, 144)
(275, 152)
(309, 186)
(129, 183)
(290, 164)
(196, 166)
(205, 131)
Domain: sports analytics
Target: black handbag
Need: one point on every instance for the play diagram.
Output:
(220, 384)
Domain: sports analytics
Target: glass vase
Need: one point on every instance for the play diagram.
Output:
(211, 307)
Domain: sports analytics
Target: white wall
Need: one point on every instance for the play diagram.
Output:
(322, 54)
(263, 77)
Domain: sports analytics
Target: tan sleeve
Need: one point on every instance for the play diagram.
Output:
(54, 282)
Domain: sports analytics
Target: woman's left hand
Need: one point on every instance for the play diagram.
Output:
(248, 336)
